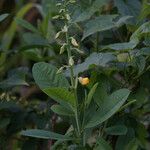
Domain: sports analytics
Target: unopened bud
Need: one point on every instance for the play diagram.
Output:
(71, 61)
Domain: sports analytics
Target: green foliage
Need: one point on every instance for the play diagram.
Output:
(3, 16)
(45, 76)
(116, 130)
(108, 107)
(44, 134)
(74, 75)
(103, 145)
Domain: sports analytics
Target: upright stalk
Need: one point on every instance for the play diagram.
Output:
(73, 83)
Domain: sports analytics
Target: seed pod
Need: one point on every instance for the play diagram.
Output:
(67, 16)
(71, 61)
(62, 49)
(57, 34)
(65, 29)
(56, 17)
(74, 42)
(60, 70)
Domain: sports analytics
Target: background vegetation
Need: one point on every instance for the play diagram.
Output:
(109, 41)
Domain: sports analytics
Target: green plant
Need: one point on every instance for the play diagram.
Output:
(89, 84)
(55, 85)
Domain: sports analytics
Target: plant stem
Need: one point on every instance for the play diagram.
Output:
(73, 82)
(97, 42)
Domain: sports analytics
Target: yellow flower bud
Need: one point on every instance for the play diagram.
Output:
(84, 80)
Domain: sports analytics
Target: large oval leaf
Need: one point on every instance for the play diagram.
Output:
(42, 134)
(45, 76)
(116, 130)
(60, 110)
(108, 107)
(61, 95)
(100, 59)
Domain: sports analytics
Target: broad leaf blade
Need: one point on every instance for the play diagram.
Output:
(60, 95)
(60, 110)
(116, 130)
(108, 107)
(42, 134)
(86, 14)
(101, 23)
(45, 76)
(100, 59)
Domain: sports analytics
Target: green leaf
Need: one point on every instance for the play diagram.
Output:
(86, 14)
(61, 95)
(35, 39)
(101, 23)
(144, 29)
(103, 88)
(145, 10)
(26, 25)
(8, 105)
(102, 145)
(16, 77)
(128, 104)
(33, 54)
(42, 134)
(132, 145)
(140, 63)
(123, 20)
(45, 76)
(100, 59)
(128, 7)
(121, 46)
(116, 130)
(60, 110)
(108, 107)
(9, 34)
(13, 81)
(90, 95)
(123, 140)
(3, 16)
(4, 122)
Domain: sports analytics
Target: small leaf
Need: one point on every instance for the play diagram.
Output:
(128, 104)
(102, 145)
(144, 29)
(26, 25)
(42, 134)
(90, 95)
(60, 110)
(132, 145)
(116, 130)
(3, 16)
